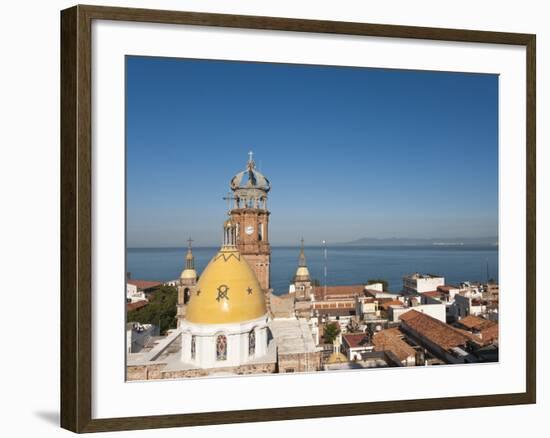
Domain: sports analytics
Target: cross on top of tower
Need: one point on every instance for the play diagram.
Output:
(189, 260)
(251, 164)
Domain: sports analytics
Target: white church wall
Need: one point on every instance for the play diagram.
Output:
(237, 335)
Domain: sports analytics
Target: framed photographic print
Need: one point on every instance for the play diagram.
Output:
(260, 212)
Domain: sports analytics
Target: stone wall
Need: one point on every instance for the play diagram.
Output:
(144, 372)
(154, 371)
(299, 362)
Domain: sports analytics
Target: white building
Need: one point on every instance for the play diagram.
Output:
(354, 345)
(133, 294)
(418, 283)
(469, 304)
(137, 290)
(379, 287)
(437, 311)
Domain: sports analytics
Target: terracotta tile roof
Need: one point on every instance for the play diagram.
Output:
(334, 312)
(339, 291)
(446, 288)
(474, 338)
(435, 331)
(386, 304)
(391, 340)
(144, 284)
(137, 305)
(489, 334)
(432, 293)
(356, 340)
(473, 322)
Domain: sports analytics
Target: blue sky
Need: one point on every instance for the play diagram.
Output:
(350, 152)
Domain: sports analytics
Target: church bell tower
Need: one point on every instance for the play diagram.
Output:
(187, 283)
(248, 210)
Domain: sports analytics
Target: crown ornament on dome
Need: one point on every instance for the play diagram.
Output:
(250, 178)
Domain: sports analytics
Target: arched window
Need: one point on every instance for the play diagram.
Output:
(186, 295)
(251, 343)
(221, 347)
(193, 347)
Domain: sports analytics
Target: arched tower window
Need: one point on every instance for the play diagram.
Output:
(251, 342)
(221, 347)
(193, 347)
(186, 295)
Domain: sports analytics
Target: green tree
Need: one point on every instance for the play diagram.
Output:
(385, 285)
(161, 310)
(330, 332)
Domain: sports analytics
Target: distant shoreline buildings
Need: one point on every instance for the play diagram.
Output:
(229, 322)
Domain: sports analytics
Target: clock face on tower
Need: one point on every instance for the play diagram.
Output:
(249, 230)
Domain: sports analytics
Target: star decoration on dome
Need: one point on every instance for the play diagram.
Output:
(222, 292)
(249, 290)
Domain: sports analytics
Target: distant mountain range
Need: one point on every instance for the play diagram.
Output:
(444, 241)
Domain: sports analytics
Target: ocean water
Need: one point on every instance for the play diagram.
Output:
(345, 264)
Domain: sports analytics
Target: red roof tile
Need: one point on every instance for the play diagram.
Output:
(144, 284)
(355, 340)
(446, 288)
(386, 304)
(432, 293)
(339, 291)
(435, 330)
(489, 334)
(137, 305)
(473, 322)
(391, 340)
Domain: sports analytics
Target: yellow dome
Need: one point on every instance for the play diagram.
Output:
(302, 271)
(188, 274)
(227, 291)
